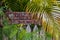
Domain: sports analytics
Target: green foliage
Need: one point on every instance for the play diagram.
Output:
(17, 5)
(48, 36)
(5, 22)
(47, 10)
(1, 28)
(10, 30)
(39, 6)
(1, 11)
(35, 6)
(22, 34)
(27, 36)
(23, 4)
(1, 37)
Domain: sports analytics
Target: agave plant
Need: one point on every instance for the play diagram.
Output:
(47, 12)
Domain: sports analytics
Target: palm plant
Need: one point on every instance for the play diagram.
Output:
(16, 5)
(46, 11)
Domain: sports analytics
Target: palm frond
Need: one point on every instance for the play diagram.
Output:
(46, 8)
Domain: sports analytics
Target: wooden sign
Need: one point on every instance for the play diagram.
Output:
(21, 17)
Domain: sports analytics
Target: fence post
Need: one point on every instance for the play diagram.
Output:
(42, 34)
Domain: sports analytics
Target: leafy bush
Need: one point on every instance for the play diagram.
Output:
(10, 30)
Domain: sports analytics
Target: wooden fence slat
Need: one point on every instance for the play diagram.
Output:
(28, 29)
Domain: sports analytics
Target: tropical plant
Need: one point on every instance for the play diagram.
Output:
(46, 11)
(16, 5)
(1, 25)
